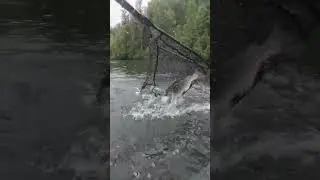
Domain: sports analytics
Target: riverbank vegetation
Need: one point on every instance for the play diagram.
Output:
(186, 20)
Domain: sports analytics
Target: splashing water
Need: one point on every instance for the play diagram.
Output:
(151, 107)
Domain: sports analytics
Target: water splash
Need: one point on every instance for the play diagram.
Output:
(151, 107)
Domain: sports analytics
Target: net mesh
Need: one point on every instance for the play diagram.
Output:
(168, 59)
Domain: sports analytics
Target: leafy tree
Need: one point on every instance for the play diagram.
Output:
(186, 20)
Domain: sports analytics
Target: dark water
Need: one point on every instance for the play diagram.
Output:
(149, 138)
(48, 51)
(274, 132)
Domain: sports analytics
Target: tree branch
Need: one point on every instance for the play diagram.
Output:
(149, 24)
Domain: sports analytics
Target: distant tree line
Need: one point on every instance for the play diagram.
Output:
(186, 20)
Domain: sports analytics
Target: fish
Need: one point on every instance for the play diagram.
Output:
(179, 87)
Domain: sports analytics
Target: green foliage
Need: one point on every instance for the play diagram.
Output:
(186, 20)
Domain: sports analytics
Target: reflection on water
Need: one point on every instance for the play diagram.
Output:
(151, 139)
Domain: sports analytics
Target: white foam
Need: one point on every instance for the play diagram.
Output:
(151, 107)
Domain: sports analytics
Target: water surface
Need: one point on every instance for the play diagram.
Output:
(150, 138)
(45, 73)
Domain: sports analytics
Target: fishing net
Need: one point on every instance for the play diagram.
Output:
(168, 59)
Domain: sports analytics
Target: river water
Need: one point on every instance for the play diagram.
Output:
(151, 139)
(47, 71)
(50, 126)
